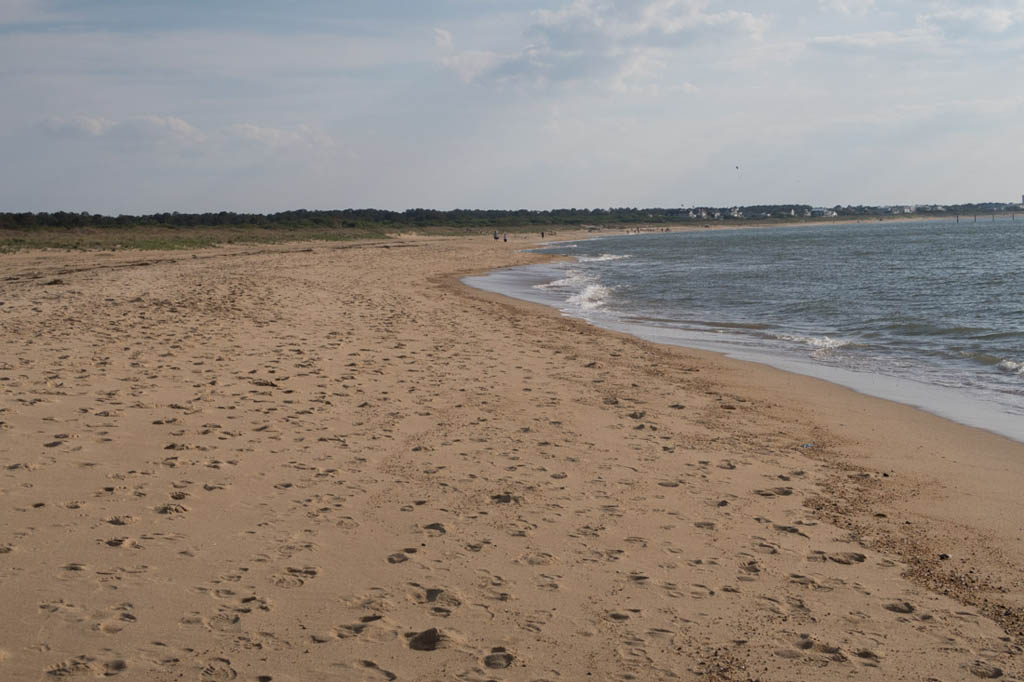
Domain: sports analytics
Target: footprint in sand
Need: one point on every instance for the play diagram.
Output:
(397, 558)
(347, 523)
(441, 602)
(429, 640)
(903, 607)
(498, 659)
(775, 492)
(217, 670)
(171, 509)
(820, 650)
(125, 543)
(87, 665)
(293, 577)
(373, 628)
(384, 674)
(985, 670)
(286, 581)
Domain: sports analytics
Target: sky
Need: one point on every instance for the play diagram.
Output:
(138, 106)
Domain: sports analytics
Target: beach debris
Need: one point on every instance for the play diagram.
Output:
(944, 556)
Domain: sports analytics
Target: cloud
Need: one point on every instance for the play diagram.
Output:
(443, 39)
(671, 23)
(847, 7)
(23, 12)
(645, 73)
(169, 130)
(946, 28)
(974, 19)
(77, 126)
(302, 136)
(599, 40)
(159, 129)
(471, 65)
(915, 38)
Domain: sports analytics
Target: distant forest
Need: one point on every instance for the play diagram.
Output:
(461, 218)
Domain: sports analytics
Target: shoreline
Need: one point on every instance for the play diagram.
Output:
(945, 402)
(839, 402)
(247, 455)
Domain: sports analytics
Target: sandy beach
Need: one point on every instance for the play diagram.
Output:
(333, 461)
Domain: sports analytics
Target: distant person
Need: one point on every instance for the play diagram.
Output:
(506, 236)
(495, 235)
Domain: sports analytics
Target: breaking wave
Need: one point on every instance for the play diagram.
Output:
(1012, 367)
(815, 342)
(592, 297)
(602, 258)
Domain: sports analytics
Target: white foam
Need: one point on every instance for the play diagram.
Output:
(816, 342)
(592, 297)
(1012, 367)
(574, 280)
(602, 258)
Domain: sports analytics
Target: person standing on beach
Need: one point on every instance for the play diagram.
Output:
(506, 236)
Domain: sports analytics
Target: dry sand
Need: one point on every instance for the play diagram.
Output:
(335, 462)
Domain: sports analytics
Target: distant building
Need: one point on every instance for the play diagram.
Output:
(823, 213)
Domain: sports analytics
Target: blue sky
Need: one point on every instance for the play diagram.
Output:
(138, 106)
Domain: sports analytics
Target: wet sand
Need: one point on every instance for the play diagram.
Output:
(335, 461)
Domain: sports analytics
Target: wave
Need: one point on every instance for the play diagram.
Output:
(815, 342)
(1012, 367)
(602, 258)
(929, 329)
(573, 280)
(592, 297)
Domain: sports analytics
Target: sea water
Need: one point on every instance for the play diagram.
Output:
(928, 313)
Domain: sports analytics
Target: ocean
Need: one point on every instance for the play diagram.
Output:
(927, 313)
